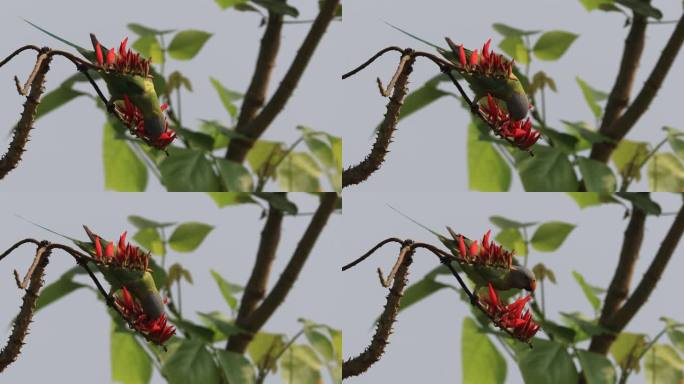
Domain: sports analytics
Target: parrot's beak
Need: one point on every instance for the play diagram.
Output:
(533, 285)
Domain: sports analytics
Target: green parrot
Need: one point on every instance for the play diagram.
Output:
(503, 276)
(138, 282)
(130, 85)
(486, 73)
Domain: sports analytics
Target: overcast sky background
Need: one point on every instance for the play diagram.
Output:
(66, 146)
(434, 140)
(69, 340)
(426, 344)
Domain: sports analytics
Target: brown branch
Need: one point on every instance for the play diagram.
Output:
(21, 324)
(258, 87)
(10, 160)
(638, 298)
(619, 128)
(361, 171)
(631, 244)
(282, 287)
(258, 281)
(360, 364)
(238, 149)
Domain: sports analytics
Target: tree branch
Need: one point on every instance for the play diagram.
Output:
(238, 149)
(282, 287)
(258, 281)
(21, 323)
(619, 320)
(10, 160)
(359, 364)
(361, 171)
(619, 128)
(258, 87)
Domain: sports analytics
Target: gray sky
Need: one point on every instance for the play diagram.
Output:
(435, 138)
(426, 344)
(67, 144)
(72, 335)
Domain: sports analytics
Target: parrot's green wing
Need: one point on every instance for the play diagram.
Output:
(90, 55)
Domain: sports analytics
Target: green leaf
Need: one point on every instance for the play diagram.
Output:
(186, 44)
(541, 272)
(549, 170)
(642, 201)
(663, 365)
(586, 132)
(148, 46)
(641, 7)
(235, 176)
(589, 199)
(264, 152)
(592, 96)
(142, 30)
(629, 156)
(225, 4)
(482, 363)
(507, 30)
(236, 368)
(627, 348)
(676, 143)
(188, 170)
(548, 362)
(130, 362)
(278, 201)
(299, 172)
(504, 223)
(123, 170)
(299, 365)
(549, 236)
(587, 327)
(150, 239)
(277, 6)
(487, 169)
(59, 288)
(515, 48)
(590, 5)
(188, 236)
(665, 173)
(321, 344)
(597, 368)
(228, 289)
(56, 98)
(589, 291)
(141, 222)
(227, 97)
(512, 239)
(553, 44)
(191, 362)
(225, 199)
(224, 325)
(598, 177)
(264, 345)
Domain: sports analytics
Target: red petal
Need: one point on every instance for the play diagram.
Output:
(98, 247)
(492, 295)
(111, 56)
(474, 248)
(98, 52)
(109, 250)
(461, 55)
(163, 107)
(461, 246)
(485, 239)
(473, 58)
(485, 48)
(122, 47)
(122, 240)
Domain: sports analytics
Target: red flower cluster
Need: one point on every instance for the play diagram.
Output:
(132, 116)
(125, 61)
(126, 256)
(511, 316)
(519, 132)
(156, 330)
(489, 254)
(488, 63)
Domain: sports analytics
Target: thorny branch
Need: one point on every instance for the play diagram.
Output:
(361, 171)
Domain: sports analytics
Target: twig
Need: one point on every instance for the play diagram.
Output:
(18, 51)
(360, 363)
(370, 61)
(367, 254)
(282, 287)
(21, 323)
(255, 128)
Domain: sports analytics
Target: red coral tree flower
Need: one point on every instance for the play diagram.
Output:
(511, 316)
(133, 118)
(486, 63)
(517, 132)
(489, 253)
(156, 330)
(125, 61)
(125, 255)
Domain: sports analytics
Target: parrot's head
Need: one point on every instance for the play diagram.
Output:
(518, 105)
(523, 278)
